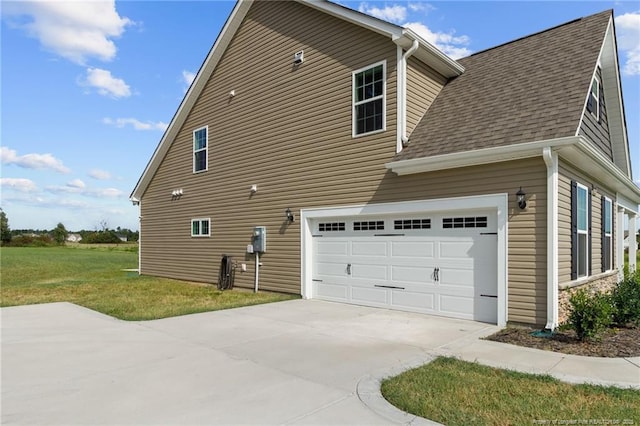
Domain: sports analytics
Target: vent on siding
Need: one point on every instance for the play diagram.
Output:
(464, 222)
(370, 225)
(412, 224)
(332, 226)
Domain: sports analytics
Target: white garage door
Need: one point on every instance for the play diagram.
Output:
(443, 264)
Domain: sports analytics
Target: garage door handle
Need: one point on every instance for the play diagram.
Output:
(436, 274)
(348, 269)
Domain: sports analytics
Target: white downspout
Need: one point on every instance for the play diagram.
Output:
(402, 95)
(551, 160)
(255, 283)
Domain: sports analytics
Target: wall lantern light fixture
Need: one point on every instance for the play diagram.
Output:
(522, 203)
(289, 214)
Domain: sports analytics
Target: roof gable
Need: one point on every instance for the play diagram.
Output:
(530, 89)
(400, 36)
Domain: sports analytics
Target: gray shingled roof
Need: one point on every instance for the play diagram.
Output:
(530, 89)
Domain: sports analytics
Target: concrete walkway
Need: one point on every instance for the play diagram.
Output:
(297, 362)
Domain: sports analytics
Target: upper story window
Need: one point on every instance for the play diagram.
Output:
(593, 104)
(200, 227)
(369, 105)
(200, 144)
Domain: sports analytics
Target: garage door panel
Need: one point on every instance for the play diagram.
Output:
(332, 247)
(365, 295)
(371, 272)
(331, 269)
(455, 249)
(461, 307)
(450, 277)
(331, 291)
(369, 248)
(411, 274)
(413, 249)
(413, 300)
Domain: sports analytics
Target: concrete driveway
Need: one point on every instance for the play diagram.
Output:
(295, 362)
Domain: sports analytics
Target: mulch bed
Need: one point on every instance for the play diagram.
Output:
(614, 343)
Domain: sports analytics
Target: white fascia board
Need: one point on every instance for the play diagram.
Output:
(613, 100)
(473, 158)
(374, 24)
(209, 65)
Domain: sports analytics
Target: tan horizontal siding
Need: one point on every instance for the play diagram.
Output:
(423, 85)
(597, 131)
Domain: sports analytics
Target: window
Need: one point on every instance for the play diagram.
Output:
(200, 227)
(200, 150)
(581, 231)
(371, 225)
(332, 226)
(412, 224)
(607, 227)
(593, 103)
(464, 222)
(368, 99)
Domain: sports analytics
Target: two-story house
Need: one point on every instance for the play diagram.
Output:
(386, 174)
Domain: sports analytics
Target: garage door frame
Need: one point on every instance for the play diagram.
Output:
(494, 202)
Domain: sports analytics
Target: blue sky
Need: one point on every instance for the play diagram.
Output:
(88, 88)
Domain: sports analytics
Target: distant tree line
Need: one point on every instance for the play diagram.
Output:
(59, 235)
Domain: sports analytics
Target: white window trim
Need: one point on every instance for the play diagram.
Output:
(596, 114)
(206, 149)
(608, 201)
(201, 219)
(383, 97)
(583, 232)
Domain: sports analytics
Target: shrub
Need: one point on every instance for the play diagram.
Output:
(625, 299)
(590, 314)
(42, 240)
(101, 237)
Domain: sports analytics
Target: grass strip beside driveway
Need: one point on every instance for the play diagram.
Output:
(455, 392)
(93, 278)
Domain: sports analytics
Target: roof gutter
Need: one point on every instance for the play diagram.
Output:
(575, 149)
(472, 158)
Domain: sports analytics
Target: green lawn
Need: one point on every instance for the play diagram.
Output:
(455, 392)
(93, 277)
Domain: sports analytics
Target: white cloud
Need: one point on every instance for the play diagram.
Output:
(628, 26)
(450, 44)
(188, 77)
(106, 84)
(100, 174)
(87, 192)
(421, 7)
(19, 184)
(395, 13)
(75, 30)
(76, 183)
(106, 192)
(32, 161)
(137, 124)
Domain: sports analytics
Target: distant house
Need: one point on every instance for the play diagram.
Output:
(387, 174)
(74, 238)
